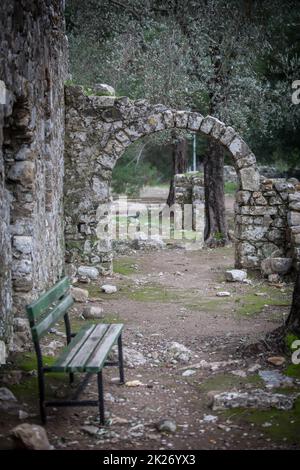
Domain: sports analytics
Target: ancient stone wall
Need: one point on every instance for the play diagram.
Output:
(98, 130)
(32, 70)
(263, 221)
(294, 225)
(189, 189)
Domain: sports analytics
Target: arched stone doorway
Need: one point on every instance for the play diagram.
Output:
(100, 128)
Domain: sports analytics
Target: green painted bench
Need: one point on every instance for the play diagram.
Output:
(85, 352)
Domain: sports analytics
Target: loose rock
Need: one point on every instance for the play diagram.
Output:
(166, 425)
(276, 360)
(109, 289)
(93, 312)
(235, 275)
(30, 436)
(88, 271)
(210, 418)
(276, 266)
(79, 295)
(179, 352)
(133, 383)
(52, 348)
(188, 373)
(258, 399)
(132, 358)
(91, 430)
(223, 294)
(275, 379)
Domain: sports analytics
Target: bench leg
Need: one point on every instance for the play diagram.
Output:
(101, 397)
(120, 358)
(41, 382)
(71, 377)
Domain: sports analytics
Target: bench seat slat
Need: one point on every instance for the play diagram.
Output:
(77, 364)
(71, 349)
(38, 307)
(41, 328)
(97, 359)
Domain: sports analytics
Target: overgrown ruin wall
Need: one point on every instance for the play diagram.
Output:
(267, 222)
(33, 68)
(99, 129)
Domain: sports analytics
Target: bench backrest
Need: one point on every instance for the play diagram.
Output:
(49, 308)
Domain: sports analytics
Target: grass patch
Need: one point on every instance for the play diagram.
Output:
(125, 266)
(284, 424)
(223, 382)
(93, 289)
(28, 388)
(27, 362)
(154, 293)
(209, 305)
(289, 340)
(251, 304)
(230, 187)
(293, 370)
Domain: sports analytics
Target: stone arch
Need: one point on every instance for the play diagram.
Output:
(98, 131)
(160, 118)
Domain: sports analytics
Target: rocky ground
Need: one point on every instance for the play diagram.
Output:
(192, 375)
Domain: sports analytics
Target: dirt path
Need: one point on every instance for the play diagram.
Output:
(167, 296)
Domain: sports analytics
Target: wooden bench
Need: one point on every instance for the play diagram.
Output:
(85, 352)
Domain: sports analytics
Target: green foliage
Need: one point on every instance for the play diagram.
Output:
(234, 61)
(129, 178)
(230, 187)
(289, 339)
(293, 370)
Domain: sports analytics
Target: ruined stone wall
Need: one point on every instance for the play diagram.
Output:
(263, 221)
(294, 224)
(189, 189)
(33, 69)
(98, 130)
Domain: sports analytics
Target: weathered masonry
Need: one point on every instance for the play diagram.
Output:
(32, 73)
(36, 201)
(98, 130)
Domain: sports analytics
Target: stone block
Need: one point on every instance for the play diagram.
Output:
(22, 243)
(249, 179)
(293, 218)
(239, 149)
(181, 119)
(194, 121)
(228, 136)
(88, 271)
(276, 266)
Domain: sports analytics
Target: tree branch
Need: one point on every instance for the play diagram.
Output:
(126, 7)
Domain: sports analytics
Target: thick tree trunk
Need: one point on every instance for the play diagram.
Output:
(216, 230)
(293, 320)
(179, 158)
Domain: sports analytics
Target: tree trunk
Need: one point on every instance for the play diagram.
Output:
(216, 230)
(179, 158)
(293, 320)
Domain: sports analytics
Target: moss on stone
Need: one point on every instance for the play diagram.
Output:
(282, 425)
